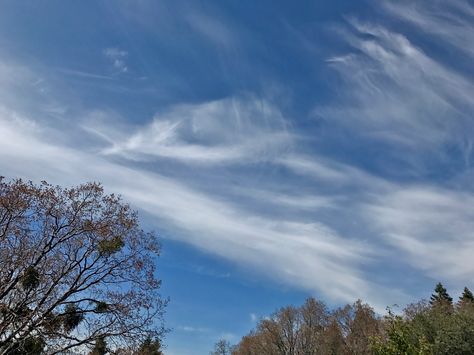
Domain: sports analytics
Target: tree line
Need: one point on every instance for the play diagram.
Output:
(438, 326)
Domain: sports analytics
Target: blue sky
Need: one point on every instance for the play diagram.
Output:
(281, 149)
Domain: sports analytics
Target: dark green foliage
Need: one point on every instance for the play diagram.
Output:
(72, 317)
(101, 307)
(100, 347)
(401, 337)
(467, 296)
(30, 279)
(440, 296)
(28, 346)
(150, 347)
(429, 330)
(110, 246)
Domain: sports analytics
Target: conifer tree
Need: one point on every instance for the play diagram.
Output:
(440, 296)
(466, 297)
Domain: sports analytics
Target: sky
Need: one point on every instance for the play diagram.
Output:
(280, 149)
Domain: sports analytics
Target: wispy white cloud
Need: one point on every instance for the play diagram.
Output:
(293, 200)
(329, 171)
(192, 329)
(451, 20)
(117, 58)
(253, 317)
(199, 219)
(212, 29)
(202, 270)
(311, 252)
(225, 131)
(84, 74)
(395, 93)
(431, 227)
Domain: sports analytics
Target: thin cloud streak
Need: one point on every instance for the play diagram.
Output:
(452, 21)
(227, 131)
(396, 94)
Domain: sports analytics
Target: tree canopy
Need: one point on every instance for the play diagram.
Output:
(467, 297)
(423, 328)
(441, 296)
(76, 271)
(313, 329)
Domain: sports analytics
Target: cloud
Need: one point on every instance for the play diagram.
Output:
(451, 21)
(188, 328)
(329, 171)
(199, 219)
(396, 94)
(202, 270)
(84, 74)
(312, 252)
(431, 227)
(212, 29)
(234, 130)
(414, 106)
(117, 58)
(293, 200)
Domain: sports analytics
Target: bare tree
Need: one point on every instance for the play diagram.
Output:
(311, 329)
(252, 344)
(282, 331)
(314, 321)
(363, 326)
(75, 269)
(222, 347)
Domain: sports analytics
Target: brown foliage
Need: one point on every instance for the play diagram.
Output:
(312, 329)
(75, 267)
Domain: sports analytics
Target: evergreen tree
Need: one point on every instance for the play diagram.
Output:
(466, 297)
(440, 296)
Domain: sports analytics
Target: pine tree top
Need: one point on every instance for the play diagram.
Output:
(466, 296)
(441, 295)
